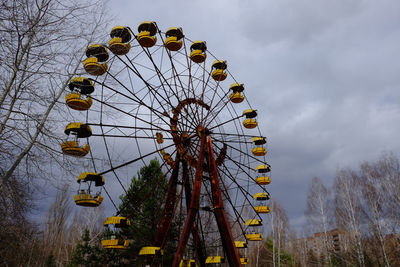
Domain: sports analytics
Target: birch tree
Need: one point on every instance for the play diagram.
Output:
(389, 167)
(374, 200)
(279, 229)
(348, 209)
(319, 210)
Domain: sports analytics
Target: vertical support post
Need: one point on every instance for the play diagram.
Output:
(222, 221)
(195, 231)
(168, 213)
(194, 205)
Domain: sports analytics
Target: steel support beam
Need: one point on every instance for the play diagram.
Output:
(195, 231)
(222, 221)
(169, 209)
(194, 205)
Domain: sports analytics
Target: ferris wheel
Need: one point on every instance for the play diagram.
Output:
(154, 94)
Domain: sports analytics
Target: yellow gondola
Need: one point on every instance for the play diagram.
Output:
(237, 89)
(79, 86)
(262, 209)
(84, 197)
(115, 241)
(173, 41)
(188, 263)
(259, 150)
(117, 221)
(250, 122)
(261, 196)
(236, 98)
(263, 168)
(82, 85)
(219, 73)
(96, 54)
(147, 34)
(119, 43)
(150, 251)
(241, 244)
(75, 101)
(254, 237)
(244, 260)
(250, 113)
(254, 222)
(87, 200)
(78, 130)
(81, 130)
(198, 51)
(215, 259)
(91, 177)
(259, 141)
(72, 148)
(263, 180)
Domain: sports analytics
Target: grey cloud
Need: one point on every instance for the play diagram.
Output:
(324, 76)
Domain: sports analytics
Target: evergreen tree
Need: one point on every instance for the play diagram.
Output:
(89, 253)
(284, 256)
(143, 205)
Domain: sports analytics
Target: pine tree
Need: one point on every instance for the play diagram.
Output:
(88, 253)
(143, 205)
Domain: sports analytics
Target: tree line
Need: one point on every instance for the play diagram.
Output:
(362, 204)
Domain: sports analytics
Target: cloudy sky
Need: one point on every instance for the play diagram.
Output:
(324, 75)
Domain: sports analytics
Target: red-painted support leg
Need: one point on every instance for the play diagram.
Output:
(195, 231)
(194, 206)
(168, 214)
(223, 224)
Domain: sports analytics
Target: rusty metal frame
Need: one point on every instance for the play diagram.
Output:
(194, 205)
(168, 213)
(195, 231)
(222, 221)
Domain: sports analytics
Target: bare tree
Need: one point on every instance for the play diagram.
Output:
(303, 250)
(87, 219)
(42, 43)
(374, 200)
(348, 209)
(16, 232)
(319, 210)
(279, 229)
(297, 249)
(389, 167)
(56, 234)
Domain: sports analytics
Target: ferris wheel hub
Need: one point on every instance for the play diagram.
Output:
(202, 131)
